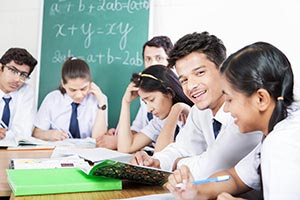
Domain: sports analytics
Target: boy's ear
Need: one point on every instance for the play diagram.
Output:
(263, 99)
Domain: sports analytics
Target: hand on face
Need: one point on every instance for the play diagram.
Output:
(96, 91)
(131, 93)
(183, 109)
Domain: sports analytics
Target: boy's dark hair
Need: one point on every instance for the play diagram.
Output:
(159, 42)
(20, 56)
(204, 43)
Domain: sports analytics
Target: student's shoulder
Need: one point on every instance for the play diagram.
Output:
(25, 88)
(24, 92)
(53, 96)
(195, 111)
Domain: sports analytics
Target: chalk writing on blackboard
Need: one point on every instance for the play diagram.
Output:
(87, 30)
(130, 6)
(100, 57)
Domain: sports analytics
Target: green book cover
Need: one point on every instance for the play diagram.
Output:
(122, 170)
(57, 180)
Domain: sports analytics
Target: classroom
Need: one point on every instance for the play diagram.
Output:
(113, 48)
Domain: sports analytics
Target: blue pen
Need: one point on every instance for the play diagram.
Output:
(208, 180)
(57, 128)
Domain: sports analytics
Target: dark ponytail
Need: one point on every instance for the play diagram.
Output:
(261, 65)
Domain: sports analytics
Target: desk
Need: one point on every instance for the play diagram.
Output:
(129, 189)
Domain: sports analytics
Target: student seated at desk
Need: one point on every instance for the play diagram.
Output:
(160, 89)
(258, 80)
(78, 109)
(155, 52)
(17, 105)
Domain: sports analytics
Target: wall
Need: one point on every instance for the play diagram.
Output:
(236, 22)
(20, 27)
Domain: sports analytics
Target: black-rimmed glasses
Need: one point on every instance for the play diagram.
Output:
(14, 71)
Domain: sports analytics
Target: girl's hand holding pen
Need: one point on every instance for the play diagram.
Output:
(57, 135)
(183, 176)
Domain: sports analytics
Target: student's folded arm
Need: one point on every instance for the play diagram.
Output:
(39, 133)
(100, 124)
(166, 136)
(129, 141)
(49, 135)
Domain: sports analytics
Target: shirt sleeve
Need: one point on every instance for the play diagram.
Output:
(42, 119)
(248, 169)
(153, 128)
(280, 163)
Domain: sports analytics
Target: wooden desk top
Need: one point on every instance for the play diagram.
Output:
(129, 189)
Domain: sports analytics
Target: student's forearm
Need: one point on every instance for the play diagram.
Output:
(233, 186)
(100, 126)
(41, 134)
(125, 136)
(166, 136)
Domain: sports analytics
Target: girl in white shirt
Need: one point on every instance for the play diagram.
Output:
(258, 88)
(162, 93)
(53, 120)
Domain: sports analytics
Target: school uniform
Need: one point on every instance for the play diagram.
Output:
(279, 159)
(56, 108)
(154, 127)
(22, 110)
(207, 154)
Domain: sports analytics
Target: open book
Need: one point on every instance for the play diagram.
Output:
(123, 170)
(11, 140)
(92, 155)
(16, 143)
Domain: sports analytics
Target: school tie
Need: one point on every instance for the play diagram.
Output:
(149, 116)
(74, 127)
(176, 131)
(216, 126)
(6, 110)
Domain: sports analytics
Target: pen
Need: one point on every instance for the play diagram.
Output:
(208, 180)
(3, 124)
(56, 127)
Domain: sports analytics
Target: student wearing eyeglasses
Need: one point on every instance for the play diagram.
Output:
(17, 104)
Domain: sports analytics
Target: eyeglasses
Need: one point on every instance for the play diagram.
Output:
(14, 71)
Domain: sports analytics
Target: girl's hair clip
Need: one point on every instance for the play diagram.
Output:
(280, 98)
(150, 76)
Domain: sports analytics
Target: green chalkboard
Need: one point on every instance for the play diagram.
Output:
(108, 34)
